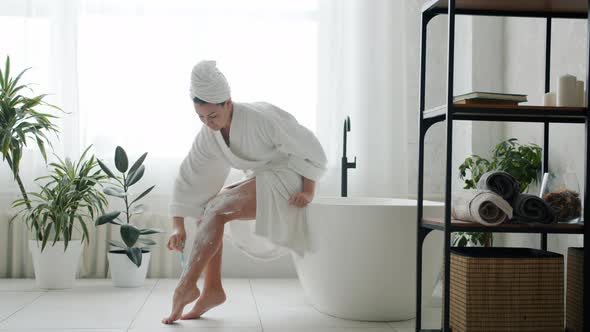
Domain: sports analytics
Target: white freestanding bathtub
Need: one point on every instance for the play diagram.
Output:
(362, 265)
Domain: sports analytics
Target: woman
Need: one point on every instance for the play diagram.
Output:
(282, 161)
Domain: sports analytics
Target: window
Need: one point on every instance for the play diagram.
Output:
(134, 65)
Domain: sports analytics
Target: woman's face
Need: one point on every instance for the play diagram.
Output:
(213, 115)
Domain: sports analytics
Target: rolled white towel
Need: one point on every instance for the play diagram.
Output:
(482, 206)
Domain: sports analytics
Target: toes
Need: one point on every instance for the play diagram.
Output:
(173, 317)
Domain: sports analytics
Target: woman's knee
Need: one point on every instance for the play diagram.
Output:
(229, 204)
(217, 202)
(221, 206)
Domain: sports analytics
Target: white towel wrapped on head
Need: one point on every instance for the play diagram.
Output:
(208, 83)
(482, 206)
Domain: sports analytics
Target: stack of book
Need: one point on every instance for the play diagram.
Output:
(489, 98)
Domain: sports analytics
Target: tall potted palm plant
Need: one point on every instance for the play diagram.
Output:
(20, 122)
(68, 199)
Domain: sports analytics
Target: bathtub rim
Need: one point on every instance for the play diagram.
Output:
(369, 201)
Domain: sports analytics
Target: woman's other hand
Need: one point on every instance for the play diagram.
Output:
(177, 239)
(301, 199)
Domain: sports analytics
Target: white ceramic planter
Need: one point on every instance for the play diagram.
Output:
(124, 273)
(54, 268)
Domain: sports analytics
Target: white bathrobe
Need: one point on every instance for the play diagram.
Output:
(266, 143)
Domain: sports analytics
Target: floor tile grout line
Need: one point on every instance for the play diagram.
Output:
(30, 290)
(256, 304)
(21, 308)
(143, 304)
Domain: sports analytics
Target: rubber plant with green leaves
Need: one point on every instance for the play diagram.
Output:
(20, 122)
(130, 234)
(71, 195)
(523, 162)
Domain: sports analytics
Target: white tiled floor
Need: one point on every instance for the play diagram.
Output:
(253, 305)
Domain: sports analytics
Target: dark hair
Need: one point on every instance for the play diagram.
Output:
(202, 102)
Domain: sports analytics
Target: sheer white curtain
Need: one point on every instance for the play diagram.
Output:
(362, 75)
(122, 69)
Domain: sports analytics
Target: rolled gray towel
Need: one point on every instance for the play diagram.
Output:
(501, 183)
(530, 208)
(482, 206)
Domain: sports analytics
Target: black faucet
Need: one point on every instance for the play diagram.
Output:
(345, 164)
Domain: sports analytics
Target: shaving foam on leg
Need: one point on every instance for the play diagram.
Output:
(220, 205)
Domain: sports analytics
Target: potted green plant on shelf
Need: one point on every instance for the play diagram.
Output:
(20, 122)
(523, 162)
(70, 196)
(129, 263)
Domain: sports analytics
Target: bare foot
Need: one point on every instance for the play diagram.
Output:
(210, 299)
(183, 295)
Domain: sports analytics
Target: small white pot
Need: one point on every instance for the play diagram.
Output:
(124, 272)
(54, 268)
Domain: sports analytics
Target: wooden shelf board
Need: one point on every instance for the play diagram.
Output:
(553, 8)
(530, 113)
(467, 226)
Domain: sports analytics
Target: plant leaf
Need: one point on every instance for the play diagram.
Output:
(134, 255)
(143, 194)
(138, 209)
(6, 70)
(46, 235)
(135, 176)
(106, 218)
(84, 229)
(121, 161)
(137, 163)
(149, 242)
(105, 169)
(117, 244)
(129, 234)
(112, 191)
(150, 231)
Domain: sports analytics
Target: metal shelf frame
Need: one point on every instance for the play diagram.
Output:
(451, 112)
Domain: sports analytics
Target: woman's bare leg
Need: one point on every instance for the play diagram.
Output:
(213, 271)
(213, 293)
(237, 203)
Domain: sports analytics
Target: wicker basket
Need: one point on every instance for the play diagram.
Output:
(575, 289)
(506, 289)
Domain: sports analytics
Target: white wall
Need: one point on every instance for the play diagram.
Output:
(478, 66)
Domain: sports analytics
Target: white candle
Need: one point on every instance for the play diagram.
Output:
(580, 93)
(566, 91)
(549, 99)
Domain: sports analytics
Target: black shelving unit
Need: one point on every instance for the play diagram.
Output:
(547, 9)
